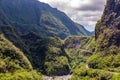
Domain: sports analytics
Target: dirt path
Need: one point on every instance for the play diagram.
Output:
(65, 77)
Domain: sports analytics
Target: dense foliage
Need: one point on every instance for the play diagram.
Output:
(11, 57)
(38, 17)
(83, 73)
(107, 39)
(86, 58)
(104, 64)
(47, 54)
(13, 63)
(79, 49)
(21, 75)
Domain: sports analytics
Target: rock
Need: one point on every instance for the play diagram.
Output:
(108, 28)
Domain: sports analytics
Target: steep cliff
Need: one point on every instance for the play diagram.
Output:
(108, 28)
(108, 39)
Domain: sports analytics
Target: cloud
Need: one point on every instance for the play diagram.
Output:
(85, 12)
(94, 5)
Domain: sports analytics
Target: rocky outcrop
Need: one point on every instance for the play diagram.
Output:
(107, 35)
(108, 28)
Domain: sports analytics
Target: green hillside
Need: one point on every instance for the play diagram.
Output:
(32, 15)
(46, 54)
(104, 64)
(79, 49)
(36, 40)
(13, 63)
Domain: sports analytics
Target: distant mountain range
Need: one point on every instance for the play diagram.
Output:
(33, 16)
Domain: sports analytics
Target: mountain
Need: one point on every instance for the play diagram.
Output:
(109, 23)
(107, 38)
(83, 31)
(34, 16)
(46, 54)
(14, 65)
(104, 64)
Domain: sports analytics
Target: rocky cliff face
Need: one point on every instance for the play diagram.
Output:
(107, 37)
(108, 28)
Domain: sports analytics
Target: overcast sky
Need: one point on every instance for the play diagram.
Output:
(85, 12)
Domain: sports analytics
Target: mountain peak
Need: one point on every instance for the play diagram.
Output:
(34, 16)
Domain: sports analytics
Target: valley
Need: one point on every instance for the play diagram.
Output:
(38, 42)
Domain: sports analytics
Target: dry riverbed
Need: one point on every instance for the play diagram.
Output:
(65, 77)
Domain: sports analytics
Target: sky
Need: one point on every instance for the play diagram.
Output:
(84, 12)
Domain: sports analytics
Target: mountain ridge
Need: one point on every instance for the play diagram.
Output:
(28, 15)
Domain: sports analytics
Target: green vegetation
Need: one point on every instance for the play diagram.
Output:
(47, 55)
(21, 75)
(87, 59)
(11, 57)
(107, 37)
(104, 64)
(105, 60)
(40, 18)
(28, 27)
(13, 63)
(83, 73)
(80, 42)
(78, 49)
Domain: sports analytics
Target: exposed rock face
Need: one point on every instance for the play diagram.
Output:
(108, 28)
(111, 15)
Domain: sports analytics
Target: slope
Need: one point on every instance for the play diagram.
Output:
(104, 64)
(32, 15)
(107, 38)
(13, 63)
(79, 49)
(46, 54)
